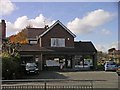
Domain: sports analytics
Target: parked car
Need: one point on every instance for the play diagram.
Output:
(110, 66)
(118, 70)
(31, 68)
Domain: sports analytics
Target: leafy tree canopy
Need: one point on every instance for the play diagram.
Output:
(20, 37)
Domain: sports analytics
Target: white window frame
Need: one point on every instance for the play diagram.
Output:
(33, 41)
(57, 42)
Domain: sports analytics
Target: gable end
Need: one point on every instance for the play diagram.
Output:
(58, 22)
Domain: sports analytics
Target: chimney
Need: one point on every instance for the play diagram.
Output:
(46, 27)
(3, 29)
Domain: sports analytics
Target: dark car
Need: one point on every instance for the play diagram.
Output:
(31, 68)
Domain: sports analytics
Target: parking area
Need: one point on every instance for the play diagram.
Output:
(101, 79)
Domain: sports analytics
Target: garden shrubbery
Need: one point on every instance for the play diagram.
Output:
(100, 67)
(11, 68)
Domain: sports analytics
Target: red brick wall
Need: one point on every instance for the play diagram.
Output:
(57, 32)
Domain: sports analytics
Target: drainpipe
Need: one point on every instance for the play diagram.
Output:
(40, 62)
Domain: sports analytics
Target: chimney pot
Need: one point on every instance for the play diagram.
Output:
(46, 27)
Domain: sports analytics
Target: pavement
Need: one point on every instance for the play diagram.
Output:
(101, 79)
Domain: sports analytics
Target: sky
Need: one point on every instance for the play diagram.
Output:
(89, 21)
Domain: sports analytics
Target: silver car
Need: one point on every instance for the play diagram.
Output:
(110, 66)
(118, 70)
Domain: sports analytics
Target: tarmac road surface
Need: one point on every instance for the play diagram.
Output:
(108, 80)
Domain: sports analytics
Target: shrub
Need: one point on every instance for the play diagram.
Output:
(100, 67)
(10, 66)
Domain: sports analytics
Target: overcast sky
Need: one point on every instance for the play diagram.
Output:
(90, 21)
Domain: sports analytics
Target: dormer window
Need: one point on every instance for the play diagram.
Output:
(57, 42)
(33, 41)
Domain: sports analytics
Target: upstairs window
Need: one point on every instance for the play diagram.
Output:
(57, 42)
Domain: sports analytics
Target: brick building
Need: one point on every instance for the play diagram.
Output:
(54, 46)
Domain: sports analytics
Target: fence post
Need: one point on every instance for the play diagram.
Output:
(92, 84)
(45, 86)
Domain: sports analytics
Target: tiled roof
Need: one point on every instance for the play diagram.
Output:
(84, 46)
(33, 32)
(79, 47)
(32, 47)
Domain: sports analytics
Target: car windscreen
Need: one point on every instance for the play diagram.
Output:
(31, 65)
